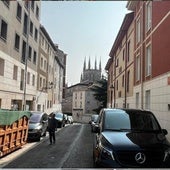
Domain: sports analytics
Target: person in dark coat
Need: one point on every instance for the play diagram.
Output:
(52, 126)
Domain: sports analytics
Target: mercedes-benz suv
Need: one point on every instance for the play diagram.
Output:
(130, 138)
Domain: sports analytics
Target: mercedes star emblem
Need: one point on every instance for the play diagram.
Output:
(140, 158)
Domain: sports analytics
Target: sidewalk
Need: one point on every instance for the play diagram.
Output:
(8, 158)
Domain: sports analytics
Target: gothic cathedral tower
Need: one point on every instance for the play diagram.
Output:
(89, 74)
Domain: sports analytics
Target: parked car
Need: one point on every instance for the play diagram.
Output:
(60, 118)
(70, 119)
(93, 121)
(38, 123)
(66, 118)
(130, 138)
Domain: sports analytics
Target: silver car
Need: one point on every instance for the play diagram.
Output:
(38, 123)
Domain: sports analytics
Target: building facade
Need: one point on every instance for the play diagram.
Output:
(19, 40)
(150, 66)
(151, 57)
(32, 71)
(120, 66)
(83, 102)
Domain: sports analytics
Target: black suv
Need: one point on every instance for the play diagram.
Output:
(130, 138)
(60, 119)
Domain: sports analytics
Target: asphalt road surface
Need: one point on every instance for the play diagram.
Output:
(73, 149)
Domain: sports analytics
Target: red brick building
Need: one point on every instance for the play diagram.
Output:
(151, 60)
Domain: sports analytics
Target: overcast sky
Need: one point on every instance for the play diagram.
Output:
(83, 29)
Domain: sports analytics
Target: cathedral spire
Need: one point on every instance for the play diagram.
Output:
(95, 64)
(100, 67)
(81, 79)
(84, 64)
(89, 66)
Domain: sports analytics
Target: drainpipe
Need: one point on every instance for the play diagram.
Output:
(26, 57)
(114, 81)
(126, 71)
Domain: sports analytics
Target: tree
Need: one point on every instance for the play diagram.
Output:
(100, 93)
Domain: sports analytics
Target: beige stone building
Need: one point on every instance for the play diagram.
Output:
(120, 66)
(19, 26)
(32, 67)
(83, 102)
(44, 98)
(50, 72)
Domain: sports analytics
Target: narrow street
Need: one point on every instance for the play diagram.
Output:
(73, 149)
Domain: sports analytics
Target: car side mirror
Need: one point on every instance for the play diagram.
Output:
(165, 132)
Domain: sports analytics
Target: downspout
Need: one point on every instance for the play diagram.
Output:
(126, 72)
(114, 81)
(26, 59)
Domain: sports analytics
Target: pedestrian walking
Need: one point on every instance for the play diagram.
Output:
(52, 127)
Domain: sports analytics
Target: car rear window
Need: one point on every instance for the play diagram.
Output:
(35, 118)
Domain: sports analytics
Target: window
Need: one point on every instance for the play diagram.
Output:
(37, 12)
(75, 104)
(128, 51)
(36, 34)
(148, 16)
(42, 41)
(123, 54)
(19, 12)
(40, 82)
(32, 5)
(123, 81)
(31, 28)
(148, 61)
(43, 82)
(15, 72)
(28, 78)
(22, 80)
(17, 41)
(128, 81)
(147, 100)
(3, 30)
(45, 64)
(138, 31)
(41, 62)
(137, 100)
(80, 104)
(2, 63)
(137, 68)
(33, 80)
(30, 53)
(35, 57)
(23, 52)
(25, 29)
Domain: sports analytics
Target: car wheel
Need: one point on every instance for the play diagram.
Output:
(38, 138)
